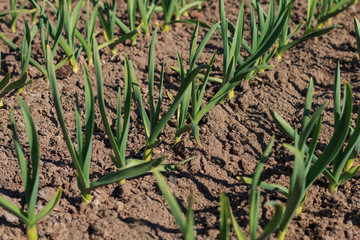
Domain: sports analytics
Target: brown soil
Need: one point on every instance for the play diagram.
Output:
(233, 135)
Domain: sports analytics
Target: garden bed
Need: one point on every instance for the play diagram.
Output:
(233, 136)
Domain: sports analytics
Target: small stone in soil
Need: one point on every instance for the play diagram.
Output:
(172, 179)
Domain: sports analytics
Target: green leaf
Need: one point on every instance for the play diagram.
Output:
(312, 147)
(224, 217)
(5, 81)
(349, 174)
(20, 154)
(177, 100)
(195, 130)
(342, 158)
(189, 234)
(337, 95)
(173, 204)
(116, 41)
(307, 107)
(151, 63)
(309, 127)
(310, 12)
(202, 45)
(101, 100)
(239, 233)
(273, 224)
(297, 187)
(122, 140)
(336, 142)
(159, 102)
(167, 167)
(126, 173)
(224, 90)
(268, 186)
(89, 123)
(57, 102)
(33, 186)
(14, 85)
(314, 33)
(254, 197)
(282, 124)
(13, 209)
(201, 93)
(27, 11)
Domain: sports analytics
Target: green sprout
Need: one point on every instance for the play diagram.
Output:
(176, 8)
(186, 223)
(108, 19)
(15, 11)
(341, 158)
(232, 75)
(310, 32)
(308, 167)
(25, 51)
(254, 208)
(30, 175)
(265, 31)
(331, 8)
(82, 156)
(153, 123)
(146, 13)
(119, 140)
(195, 92)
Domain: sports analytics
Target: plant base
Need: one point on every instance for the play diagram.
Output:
(177, 140)
(333, 187)
(166, 28)
(147, 154)
(75, 68)
(86, 198)
(281, 235)
(113, 52)
(230, 94)
(31, 233)
(90, 62)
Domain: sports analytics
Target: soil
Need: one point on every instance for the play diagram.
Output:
(233, 135)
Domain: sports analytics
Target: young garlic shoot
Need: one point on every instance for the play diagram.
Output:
(311, 166)
(153, 123)
(146, 13)
(310, 32)
(25, 51)
(81, 157)
(251, 64)
(195, 93)
(30, 170)
(341, 159)
(186, 223)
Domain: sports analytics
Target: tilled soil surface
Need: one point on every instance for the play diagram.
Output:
(233, 136)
